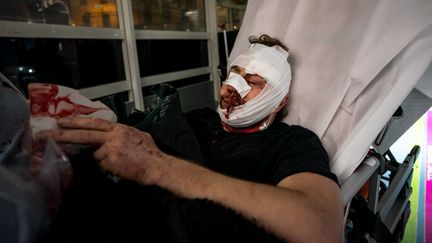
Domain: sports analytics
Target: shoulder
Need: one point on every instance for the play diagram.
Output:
(292, 132)
(295, 138)
(285, 126)
(298, 150)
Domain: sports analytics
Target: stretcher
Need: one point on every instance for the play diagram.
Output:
(362, 75)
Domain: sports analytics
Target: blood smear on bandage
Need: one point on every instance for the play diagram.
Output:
(46, 101)
(49, 102)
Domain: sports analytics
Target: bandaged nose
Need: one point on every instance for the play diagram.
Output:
(239, 83)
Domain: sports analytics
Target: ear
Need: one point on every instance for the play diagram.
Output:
(282, 104)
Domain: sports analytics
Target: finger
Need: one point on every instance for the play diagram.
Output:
(77, 136)
(100, 154)
(105, 165)
(86, 123)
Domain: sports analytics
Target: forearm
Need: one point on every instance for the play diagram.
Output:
(290, 214)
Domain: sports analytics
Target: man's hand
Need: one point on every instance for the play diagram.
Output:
(123, 150)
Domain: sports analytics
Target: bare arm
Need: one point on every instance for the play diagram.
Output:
(303, 208)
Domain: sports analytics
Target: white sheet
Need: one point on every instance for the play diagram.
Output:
(353, 63)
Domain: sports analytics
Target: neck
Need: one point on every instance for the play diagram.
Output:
(257, 127)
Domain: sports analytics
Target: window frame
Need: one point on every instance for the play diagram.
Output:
(128, 35)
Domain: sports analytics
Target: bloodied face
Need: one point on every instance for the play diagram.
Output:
(230, 98)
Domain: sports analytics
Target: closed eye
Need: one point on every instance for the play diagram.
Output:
(251, 82)
(254, 79)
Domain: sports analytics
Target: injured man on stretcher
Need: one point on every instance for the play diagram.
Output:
(260, 180)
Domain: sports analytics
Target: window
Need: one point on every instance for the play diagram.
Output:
(163, 56)
(106, 20)
(65, 12)
(81, 44)
(229, 17)
(184, 15)
(230, 14)
(71, 62)
(179, 83)
(97, 13)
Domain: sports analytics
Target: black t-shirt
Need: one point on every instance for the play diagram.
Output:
(97, 209)
(267, 156)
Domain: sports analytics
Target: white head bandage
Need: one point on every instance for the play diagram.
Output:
(238, 83)
(271, 64)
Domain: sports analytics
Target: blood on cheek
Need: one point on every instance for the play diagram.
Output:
(233, 100)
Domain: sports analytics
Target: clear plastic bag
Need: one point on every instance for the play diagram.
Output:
(29, 198)
(55, 175)
(33, 175)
